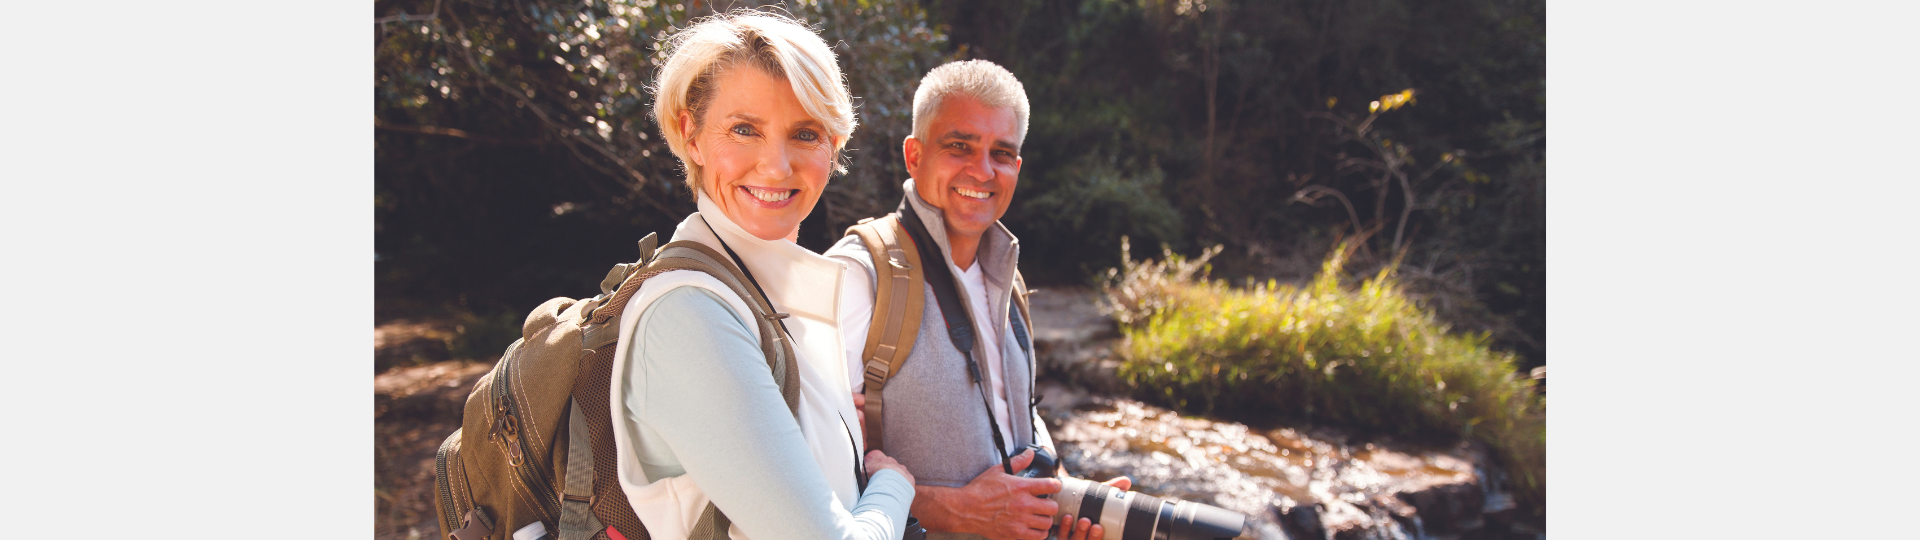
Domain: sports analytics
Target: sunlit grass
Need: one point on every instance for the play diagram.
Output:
(1364, 356)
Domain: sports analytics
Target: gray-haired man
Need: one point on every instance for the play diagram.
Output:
(969, 120)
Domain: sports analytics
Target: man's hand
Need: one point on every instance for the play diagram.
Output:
(994, 504)
(1084, 529)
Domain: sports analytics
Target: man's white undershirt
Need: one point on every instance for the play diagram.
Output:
(976, 286)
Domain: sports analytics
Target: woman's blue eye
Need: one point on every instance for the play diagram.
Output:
(743, 130)
(807, 135)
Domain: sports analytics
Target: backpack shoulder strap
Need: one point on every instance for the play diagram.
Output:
(609, 502)
(688, 255)
(899, 300)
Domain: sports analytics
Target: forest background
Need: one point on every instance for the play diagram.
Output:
(515, 161)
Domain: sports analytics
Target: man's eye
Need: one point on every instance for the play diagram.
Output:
(743, 130)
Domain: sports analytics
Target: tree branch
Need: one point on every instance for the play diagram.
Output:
(631, 179)
(450, 132)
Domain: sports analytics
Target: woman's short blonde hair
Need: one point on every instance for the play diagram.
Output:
(777, 44)
(981, 80)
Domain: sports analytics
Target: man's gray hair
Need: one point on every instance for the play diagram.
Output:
(981, 80)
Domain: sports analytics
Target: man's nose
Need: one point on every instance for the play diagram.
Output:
(983, 167)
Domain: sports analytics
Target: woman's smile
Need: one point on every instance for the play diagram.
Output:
(770, 197)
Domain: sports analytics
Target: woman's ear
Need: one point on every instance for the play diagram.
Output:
(686, 130)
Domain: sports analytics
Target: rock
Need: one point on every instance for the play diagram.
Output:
(1446, 508)
(1073, 339)
(1292, 483)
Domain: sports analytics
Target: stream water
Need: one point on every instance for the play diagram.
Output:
(1291, 483)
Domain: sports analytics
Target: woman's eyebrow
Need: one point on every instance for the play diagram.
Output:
(748, 117)
(809, 123)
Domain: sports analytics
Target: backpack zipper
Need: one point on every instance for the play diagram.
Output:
(450, 513)
(531, 474)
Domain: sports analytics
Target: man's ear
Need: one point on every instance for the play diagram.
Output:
(686, 130)
(910, 151)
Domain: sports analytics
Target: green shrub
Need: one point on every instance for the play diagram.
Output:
(1366, 357)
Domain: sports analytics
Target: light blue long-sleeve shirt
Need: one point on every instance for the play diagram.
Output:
(700, 389)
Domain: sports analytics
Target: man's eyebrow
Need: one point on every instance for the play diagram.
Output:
(959, 135)
(1007, 145)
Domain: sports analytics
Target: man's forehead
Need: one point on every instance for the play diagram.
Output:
(975, 123)
(967, 113)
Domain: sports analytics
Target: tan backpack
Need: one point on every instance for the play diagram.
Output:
(536, 441)
(899, 301)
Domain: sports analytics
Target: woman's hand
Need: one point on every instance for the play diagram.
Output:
(878, 461)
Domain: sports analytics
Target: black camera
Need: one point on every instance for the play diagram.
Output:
(1133, 516)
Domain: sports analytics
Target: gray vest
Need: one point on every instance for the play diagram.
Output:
(935, 422)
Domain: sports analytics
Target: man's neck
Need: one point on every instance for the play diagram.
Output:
(965, 249)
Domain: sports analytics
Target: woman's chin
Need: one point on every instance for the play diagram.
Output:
(769, 228)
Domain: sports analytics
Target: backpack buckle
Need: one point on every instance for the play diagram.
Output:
(898, 258)
(476, 525)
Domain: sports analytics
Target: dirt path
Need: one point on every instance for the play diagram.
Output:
(415, 408)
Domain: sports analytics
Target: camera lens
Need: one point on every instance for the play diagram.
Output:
(1133, 516)
(1126, 515)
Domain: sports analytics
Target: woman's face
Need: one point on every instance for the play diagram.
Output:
(763, 160)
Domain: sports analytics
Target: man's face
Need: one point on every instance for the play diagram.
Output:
(969, 165)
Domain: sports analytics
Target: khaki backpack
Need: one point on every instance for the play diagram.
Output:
(899, 281)
(536, 440)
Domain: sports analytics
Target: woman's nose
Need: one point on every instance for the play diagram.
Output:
(775, 162)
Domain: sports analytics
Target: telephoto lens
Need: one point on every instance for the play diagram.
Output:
(1134, 516)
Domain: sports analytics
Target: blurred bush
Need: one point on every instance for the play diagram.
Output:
(1367, 357)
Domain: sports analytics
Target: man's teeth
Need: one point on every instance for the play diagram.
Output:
(771, 195)
(972, 193)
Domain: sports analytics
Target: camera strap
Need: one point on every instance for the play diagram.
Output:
(956, 314)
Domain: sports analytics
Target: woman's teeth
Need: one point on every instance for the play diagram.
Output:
(972, 193)
(770, 195)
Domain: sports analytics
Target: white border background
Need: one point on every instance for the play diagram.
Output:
(188, 234)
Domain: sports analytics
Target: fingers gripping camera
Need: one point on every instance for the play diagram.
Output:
(1134, 516)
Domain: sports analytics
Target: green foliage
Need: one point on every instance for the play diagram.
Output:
(516, 158)
(1102, 201)
(1366, 357)
(1234, 107)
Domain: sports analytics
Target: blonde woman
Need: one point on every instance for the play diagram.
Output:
(754, 106)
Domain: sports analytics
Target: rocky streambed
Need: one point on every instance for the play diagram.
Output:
(1293, 482)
